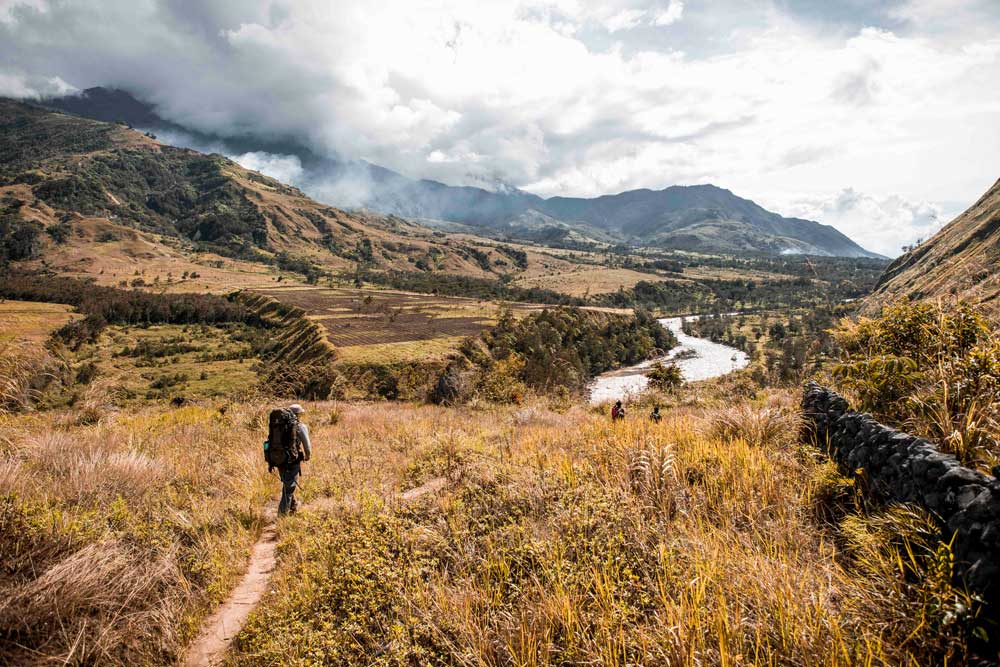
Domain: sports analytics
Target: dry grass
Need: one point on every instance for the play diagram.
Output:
(119, 535)
(31, 321)
(755, 426)
(24, 372)
(564, 539)
(26, 366)
(712, 538)
(583, 281)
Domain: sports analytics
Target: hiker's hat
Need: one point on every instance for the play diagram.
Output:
(296, 408)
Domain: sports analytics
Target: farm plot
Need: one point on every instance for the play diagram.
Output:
(32, 322)
(364, 317)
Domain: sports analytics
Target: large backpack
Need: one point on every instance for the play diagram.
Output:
(282, 438)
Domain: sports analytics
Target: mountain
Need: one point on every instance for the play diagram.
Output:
(701, 218)
(68, 183)
(962, 261)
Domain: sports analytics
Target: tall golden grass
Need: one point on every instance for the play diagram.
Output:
(565, 539)
(713, 538)
(24, 370)
(118, 535)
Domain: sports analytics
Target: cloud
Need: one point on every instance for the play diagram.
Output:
(20, 86)
(567, 97)
(881, 224)
(626, 19)
(859, 87)
(285, 168)
(672, 14)
(11, 9)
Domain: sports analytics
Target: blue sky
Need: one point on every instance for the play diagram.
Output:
(881, 118)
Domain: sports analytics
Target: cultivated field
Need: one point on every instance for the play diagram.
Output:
(582, 280)
(31, 322)
(587, 281)
(405, 325)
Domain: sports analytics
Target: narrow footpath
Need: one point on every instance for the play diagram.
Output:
(220, 629)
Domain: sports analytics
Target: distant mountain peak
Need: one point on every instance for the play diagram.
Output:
(703, 217)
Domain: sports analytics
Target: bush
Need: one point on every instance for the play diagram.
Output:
(316, 381)
(501, 381)
(86, 373)
(665, 378)
(928, 368)
(448, 388)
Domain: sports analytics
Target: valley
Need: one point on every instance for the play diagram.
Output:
(465, 346)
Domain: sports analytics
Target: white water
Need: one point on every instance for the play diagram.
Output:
(705, 360)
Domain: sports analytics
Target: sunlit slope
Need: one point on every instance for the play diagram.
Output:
(959, 262)
(108, 188)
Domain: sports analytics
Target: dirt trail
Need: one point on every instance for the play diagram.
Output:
(209, 648)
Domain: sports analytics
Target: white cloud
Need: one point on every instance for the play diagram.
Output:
(285, 168)
(881, 224)
(626, 19)
(21, 86)
(672, 14)
(569, 97)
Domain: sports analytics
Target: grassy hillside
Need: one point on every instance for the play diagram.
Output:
(960, 262)
(84, 194)
(121, 530)
(713, 538)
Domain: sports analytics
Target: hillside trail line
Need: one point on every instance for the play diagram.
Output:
(220, 629)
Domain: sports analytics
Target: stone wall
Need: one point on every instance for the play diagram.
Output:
(903, 468)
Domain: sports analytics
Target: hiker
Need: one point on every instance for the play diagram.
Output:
(617, 412)
(286, 447)
(655, 415)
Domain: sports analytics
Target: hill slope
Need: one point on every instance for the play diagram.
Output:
(702, 218)
(67, 182)
(960, 261)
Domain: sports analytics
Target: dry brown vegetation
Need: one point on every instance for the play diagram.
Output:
(564, 539)
(119, 532)
(712, 538)
(26, 366)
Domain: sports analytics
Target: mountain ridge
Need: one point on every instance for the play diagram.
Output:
(75, 191)
(703, 218)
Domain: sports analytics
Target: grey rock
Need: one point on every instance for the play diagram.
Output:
(959, 476)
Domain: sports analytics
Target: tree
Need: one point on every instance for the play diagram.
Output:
(665, 377)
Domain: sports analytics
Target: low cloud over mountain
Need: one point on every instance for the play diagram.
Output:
(558, 97)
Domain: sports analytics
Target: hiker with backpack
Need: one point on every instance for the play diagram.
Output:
(617, 412)
(286, 447)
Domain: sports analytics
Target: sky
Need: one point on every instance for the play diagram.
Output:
(880, 117)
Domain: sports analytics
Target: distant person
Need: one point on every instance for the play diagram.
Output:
(655, 415)
(286, 447)
(617, 412)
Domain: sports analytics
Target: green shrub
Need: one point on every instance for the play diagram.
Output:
(929, 368)
(665, 377)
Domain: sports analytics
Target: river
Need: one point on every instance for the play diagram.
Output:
(700, 359)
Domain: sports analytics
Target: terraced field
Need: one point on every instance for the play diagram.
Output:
(358, 320)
